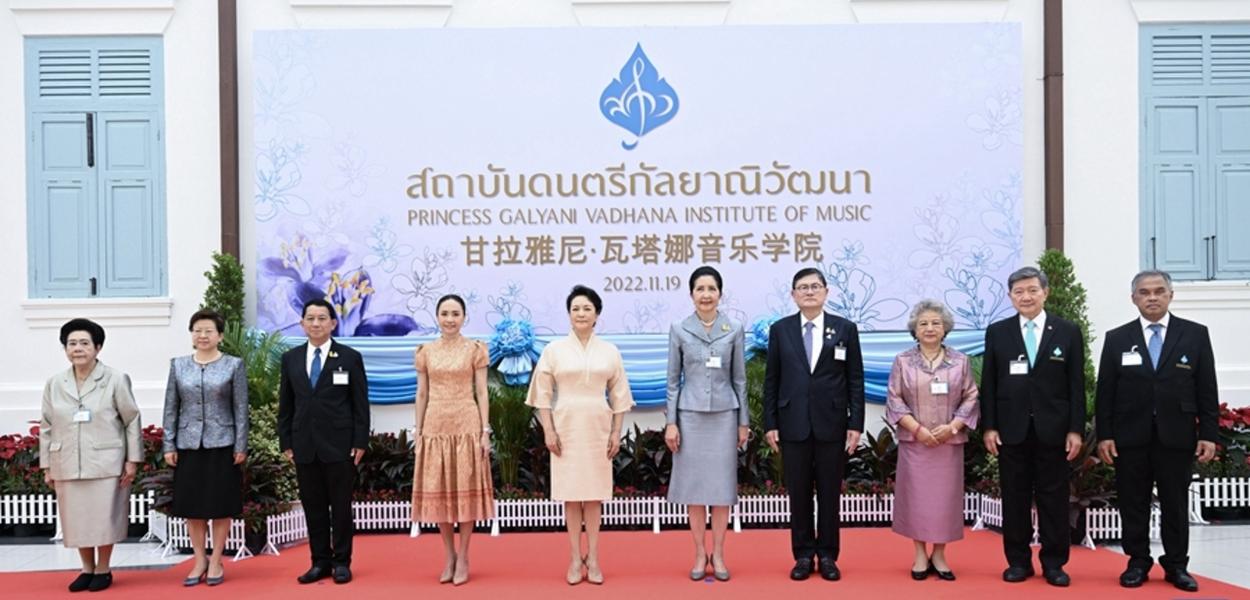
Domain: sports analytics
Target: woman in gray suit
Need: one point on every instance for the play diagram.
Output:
(90, 449)
(206, 441)
(707, 415)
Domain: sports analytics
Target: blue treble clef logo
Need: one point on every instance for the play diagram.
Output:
(639, 99)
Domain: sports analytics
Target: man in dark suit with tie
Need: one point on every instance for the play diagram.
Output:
(1157, 407)
(323, 427)
(813, 408)
(1033, 413)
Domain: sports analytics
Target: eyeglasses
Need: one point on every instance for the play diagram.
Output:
(809, 287)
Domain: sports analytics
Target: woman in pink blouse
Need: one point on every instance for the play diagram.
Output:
(932, 399)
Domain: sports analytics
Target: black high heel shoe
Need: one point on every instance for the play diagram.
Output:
(922, 575)
(943, 575)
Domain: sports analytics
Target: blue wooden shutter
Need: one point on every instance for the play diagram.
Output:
(1174, 186)
(116, 82)
(1230, 169)
(128, 209)
(62, 202)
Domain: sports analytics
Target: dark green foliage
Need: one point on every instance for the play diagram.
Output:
(225, 288)
(872, 467)
(643, 465)
(385, 473)
(1067, 300)
(262, 354)
(512, 421)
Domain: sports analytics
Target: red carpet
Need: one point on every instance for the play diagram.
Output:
(637, 565)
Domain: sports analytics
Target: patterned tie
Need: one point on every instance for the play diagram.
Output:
(1030, 341)
(315, 372)
(807, 341)
(1155, 344)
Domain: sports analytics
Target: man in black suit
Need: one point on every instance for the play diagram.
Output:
(1033, 412)
(323, 427)
(1157, 407)
(813, 407)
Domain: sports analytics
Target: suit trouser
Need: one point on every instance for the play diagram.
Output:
(325, 490)
(804, 463)
(1136, 470)
(1031, 472)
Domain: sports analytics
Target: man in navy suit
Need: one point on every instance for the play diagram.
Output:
(1157, 407)
(1033, 413)
(323, 427)
(813, 409)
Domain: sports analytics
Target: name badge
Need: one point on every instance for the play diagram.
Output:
(340, 378)
(1130, 359)
(839, 353)
(713, 362)
(939, 387)
(82, 415)
(1018, 367)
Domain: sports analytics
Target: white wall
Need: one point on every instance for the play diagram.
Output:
(1102, 124)
(1101, 150)
(141, 336)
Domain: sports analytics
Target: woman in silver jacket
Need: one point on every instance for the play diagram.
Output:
(206, 441)
(708, 417)
(90, 448)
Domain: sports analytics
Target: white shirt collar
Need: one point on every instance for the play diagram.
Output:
(1145, 324)
(819, 321)
(1040, 320)
(325, 349)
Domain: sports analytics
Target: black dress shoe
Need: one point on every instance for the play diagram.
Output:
(1181, 579)
(943, 575)
(342, 574)
(829, 570)
(922, 575)
(1057, 577)
(314, 575)
(102, 581)
(1133, 577)
(81, 583)
(802, 569)
(1017, 574)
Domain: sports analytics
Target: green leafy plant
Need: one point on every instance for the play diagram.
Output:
(262, 355)
(873, 466)
(511, 421)
(19, 464)
(644, 464)
(225, 292)
(387, 468)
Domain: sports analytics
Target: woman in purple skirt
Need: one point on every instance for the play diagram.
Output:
(932, 400)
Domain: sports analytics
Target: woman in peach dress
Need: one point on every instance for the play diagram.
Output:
(451, 479)
(581, 393)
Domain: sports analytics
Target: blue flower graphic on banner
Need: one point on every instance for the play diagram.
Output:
(639, 100)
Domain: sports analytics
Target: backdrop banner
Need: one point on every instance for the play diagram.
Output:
(506, 165)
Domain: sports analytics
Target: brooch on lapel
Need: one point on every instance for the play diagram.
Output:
(724, 326)
(334, 354)
(829, 333)
(1184, 362)
(1057, 355)
(1057, 351)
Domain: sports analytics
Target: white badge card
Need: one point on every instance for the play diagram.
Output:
(1130, 359)
(82, 415)
(713, 362)
(340, 378)
(1018, 367)
(939, 387)
(839, 353)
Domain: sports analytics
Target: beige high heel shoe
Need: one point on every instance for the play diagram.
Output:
(574, 577)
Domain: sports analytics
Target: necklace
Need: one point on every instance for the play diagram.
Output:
(933, 361)
(707, 323)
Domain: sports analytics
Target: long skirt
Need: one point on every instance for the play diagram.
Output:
(207, 484)
(93, 512)
(705, 467)
(929, 492)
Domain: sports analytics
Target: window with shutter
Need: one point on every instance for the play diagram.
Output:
(95, 167)
(1195, 141)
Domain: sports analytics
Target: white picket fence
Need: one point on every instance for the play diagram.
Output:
(655, 512)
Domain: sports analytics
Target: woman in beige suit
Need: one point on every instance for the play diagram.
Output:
(90, 449)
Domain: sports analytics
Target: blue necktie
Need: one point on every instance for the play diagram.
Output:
(1155, 344)
(807, 342)
(315, 372)
(1030, 341)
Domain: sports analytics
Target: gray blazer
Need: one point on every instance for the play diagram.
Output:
(100, 446)
(206, 406)
(692, 384)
